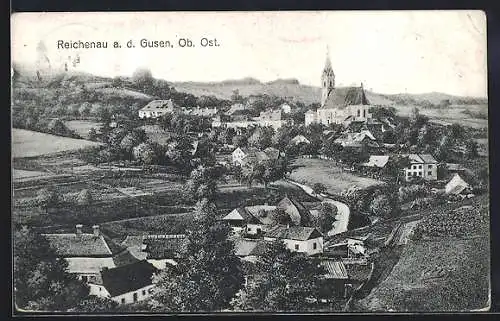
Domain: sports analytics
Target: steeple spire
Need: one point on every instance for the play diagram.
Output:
(328, 63)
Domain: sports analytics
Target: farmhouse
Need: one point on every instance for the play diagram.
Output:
(298, 238)
(157, 108)
(421, 165)
(456, 185)
(363, 138)
(126, 284)
(240, 219)
(86, 253)
(339, 105)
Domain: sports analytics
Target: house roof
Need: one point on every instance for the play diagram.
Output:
(377, 161)
(254, 210)
(300, 139)
(456, 185)
(299, 233)
(344, 96)
(298, 213)
(334, 269)
(79, 245)
(454, 167)
(241, 214)
(165, 247)
(421, 158)
(159, 105)
(128, 278)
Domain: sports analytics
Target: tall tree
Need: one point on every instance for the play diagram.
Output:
(202, 183)
(209, 275)
(41, 280)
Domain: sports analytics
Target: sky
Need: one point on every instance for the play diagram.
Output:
(388, 51)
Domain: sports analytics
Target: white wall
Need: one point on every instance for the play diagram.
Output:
(303, 246)
(129, 296)
(98, 290)
(422, 170)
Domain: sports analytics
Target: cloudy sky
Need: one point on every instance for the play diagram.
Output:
(390, 52)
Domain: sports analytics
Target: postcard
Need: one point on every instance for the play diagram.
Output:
(243, 162)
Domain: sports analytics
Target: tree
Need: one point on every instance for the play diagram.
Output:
(471, 149)
(261, 137)
(92, 134)
(179, 152)
(279, 216)
(236, 97)
(84, 197)
(209, 276)
(84, 109)
(319, 188)
(143, 78)
(41, 280)
(47, 198)
(326, 217)
(57, 127)
(284, 281)
(239, 141)
(381, 206)
(202, 183)
(145, 154)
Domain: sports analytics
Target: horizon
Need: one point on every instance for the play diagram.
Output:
(403, 52)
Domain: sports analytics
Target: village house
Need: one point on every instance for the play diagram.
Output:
(421, 165)
(157, 108)
(297, 238)
(339, 105)
(376, 161)
(363, 138)
(299, 214)
(271, 118)
(126, 284)
(246, 156)
(240, 219)
(250, 249)
(88, 253)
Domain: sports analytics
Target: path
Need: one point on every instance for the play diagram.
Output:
(343, 211)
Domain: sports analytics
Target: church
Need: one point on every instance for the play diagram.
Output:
(342, 105)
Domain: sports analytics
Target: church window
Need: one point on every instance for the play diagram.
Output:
(364, 113)
(359, 113)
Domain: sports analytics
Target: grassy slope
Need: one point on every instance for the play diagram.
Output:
(26, 143)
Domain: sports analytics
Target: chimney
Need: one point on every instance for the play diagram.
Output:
(79, 229)
(95, 228)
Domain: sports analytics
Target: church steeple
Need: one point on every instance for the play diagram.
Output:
(327, 78)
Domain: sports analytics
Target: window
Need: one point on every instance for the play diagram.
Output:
(419, 174)
(414, 173)
(364, 113)
(143, 292)
(419, 166)
(249, 229)
(429, 173)
(414, 167)
(123, 300)
(84, 278)
(359, 113)
(315, 246)
(259, 230)
(430, 166)
(135, 297)
(100, 289)
(296, 246)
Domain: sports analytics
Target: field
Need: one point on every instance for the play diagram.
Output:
(451, 114)
(311, 171)
(20, 175)
(26, 143)
(82, 127)
(443, 275)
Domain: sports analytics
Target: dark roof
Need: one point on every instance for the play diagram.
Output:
(128, 278)
(344, 96)
(247, 217)
(298, 213)
(124, 258)
(166, 247)
(299, 233)
(79, 245)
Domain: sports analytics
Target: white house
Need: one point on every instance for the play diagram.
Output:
(421, 165)
(157, 108)
(456, 185)
(298, 238)
(244, 156)
(126, 284)
(286, 108)
(86, 253)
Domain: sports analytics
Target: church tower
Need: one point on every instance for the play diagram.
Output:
(327, 79)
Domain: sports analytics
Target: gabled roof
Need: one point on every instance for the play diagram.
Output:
(165, 247)
(421, 159)
(79, 245)
(377, 161)
(298, 213)
(241, 214)
(156, 105)
(299, 233)
(456, 185)
(128, 278)
(344, 96)
(334, 269)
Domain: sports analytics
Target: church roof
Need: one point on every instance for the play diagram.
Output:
(345, 96)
